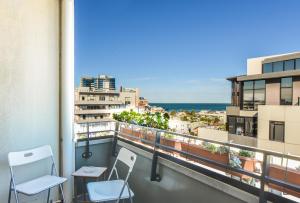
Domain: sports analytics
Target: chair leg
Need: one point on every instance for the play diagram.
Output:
(48, 195)
(62, 192)
(9, 194)
(16, 195)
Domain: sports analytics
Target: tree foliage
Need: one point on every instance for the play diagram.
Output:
(156, 120)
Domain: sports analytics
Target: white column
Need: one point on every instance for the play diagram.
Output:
(67, 95)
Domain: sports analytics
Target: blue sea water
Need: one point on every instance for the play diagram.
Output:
(191, 106)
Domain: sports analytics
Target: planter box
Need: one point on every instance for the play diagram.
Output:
(200, 151)
(248, 164)
(149, 137)
(290, 175)
(128, 131)
(167, 142)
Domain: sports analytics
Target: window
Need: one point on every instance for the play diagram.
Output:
(278, 66)
(267, 68)
(254, 94)
(240, 125)
(82, 98)
(231, 125)
(245, 126)
(286, 91)
(297, 65)
(102, 98)
(289, 65)
(250, 126)
(276, 131)
(127, 101)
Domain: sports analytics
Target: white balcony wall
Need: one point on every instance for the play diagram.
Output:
(29, 83)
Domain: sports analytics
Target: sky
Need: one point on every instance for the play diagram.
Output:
(180, 50)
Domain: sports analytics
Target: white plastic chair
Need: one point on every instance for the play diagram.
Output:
(36, 185)
(114, 190)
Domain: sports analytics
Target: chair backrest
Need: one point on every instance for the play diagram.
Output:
(127, 157)
(29, 156)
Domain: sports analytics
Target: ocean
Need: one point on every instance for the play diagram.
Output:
(191, 106)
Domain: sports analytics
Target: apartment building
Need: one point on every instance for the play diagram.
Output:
(102, 82)
(97, 99)
(265, 109)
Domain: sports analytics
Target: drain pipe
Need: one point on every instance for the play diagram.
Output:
(67, 146)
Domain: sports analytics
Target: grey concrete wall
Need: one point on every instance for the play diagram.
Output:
(29, 83)
(175, 187)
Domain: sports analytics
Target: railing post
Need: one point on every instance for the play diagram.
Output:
(262, 197)
(115, 139)
(154, 175)
(87, 154)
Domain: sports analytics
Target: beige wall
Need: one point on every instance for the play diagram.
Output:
(212, 134)
(132, 96)
(254, 66)
(242, 140)
(29, 78)
(291, 116)
(296, 92)
(273, 94)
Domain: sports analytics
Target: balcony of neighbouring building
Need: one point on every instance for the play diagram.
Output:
(174, 167)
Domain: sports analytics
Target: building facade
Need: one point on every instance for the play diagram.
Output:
(265, 109)
(102, 82)
(97, 99)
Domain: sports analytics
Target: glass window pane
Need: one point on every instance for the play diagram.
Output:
(240, 120)
(231, 124)
(248, 95)
(286, 96)
(297, 64)
(259, 84)
(259, 95)
(278, 66)
(286, 82)
(279, 132)
(289, 65)
(249, 127)
(267, 68)
(248, 85)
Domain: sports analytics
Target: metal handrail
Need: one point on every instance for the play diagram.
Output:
(228, 144)
(263, 177)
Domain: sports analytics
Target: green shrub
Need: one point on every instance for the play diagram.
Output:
(157, 120)
(223, 149)
(210, 147)
(246, 153)
(168, 135)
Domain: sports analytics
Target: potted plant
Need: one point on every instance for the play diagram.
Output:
(247, 159)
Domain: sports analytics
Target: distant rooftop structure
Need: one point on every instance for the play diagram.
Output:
(102, 82)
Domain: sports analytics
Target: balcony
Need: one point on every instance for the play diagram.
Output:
(99, 111)
(173, 167)
(98, 102)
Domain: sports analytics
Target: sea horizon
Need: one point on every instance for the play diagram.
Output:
(191, 106)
